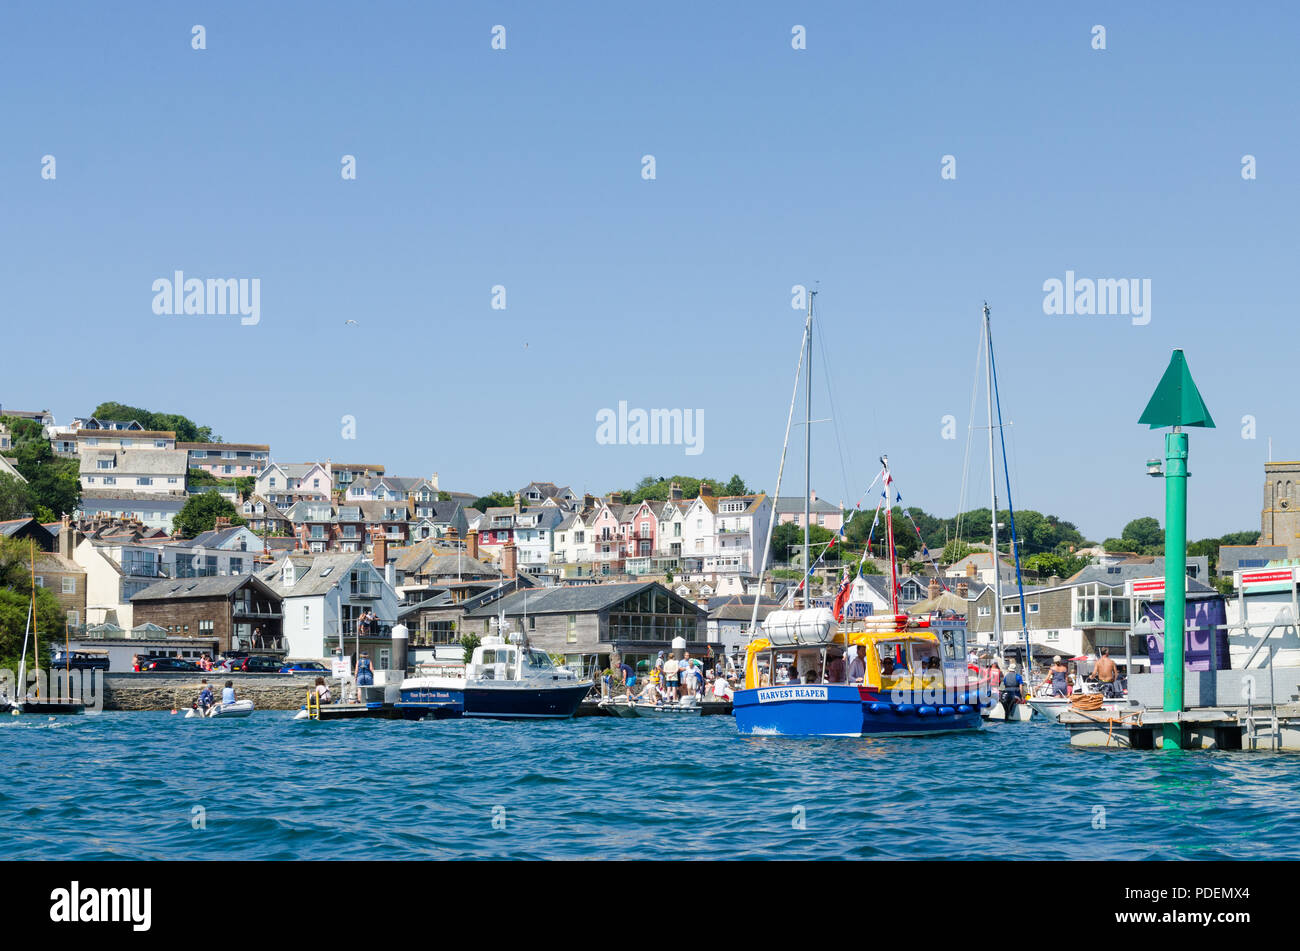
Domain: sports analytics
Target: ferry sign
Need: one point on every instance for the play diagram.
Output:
(776, 694)
(1151, 587)
(1276, 579)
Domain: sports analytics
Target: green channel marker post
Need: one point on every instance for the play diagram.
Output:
(1177, 403)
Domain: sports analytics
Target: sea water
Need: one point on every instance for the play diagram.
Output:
(153, 785)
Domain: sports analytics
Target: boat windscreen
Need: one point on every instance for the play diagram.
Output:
(540, 660)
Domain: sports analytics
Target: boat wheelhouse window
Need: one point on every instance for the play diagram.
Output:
(924, 654)
(540, 659)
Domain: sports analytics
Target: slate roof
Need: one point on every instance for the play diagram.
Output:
(567, 599)
(179, 589)
(793, 505)
(323, 573)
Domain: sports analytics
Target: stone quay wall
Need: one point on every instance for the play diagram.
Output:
(167, 691)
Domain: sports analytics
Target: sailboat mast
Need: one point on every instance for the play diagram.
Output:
(993, 485)
(36, 635)
(807, 458)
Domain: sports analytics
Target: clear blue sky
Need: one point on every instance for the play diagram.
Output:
(774, 167)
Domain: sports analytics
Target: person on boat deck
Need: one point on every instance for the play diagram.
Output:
(835, 669)
(1059, 672)
(1106, 673)
(810, 676)
(323, 691)
(1009, 695)
(205, 695)
(228, 692)
(670, 677)
(792, 675)
(887, 666)
(995, 676)
(858, 665)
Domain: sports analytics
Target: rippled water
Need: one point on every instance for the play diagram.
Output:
(126, 785)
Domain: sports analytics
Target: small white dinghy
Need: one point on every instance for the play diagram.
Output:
(618, 706)
(685, 707)
(240, 708)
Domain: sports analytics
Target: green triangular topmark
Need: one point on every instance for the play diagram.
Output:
(1176, 401)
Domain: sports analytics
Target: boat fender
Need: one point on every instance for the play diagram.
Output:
(964, 708)
(946, 711)
(879, 708)
(925, 711)
(904, 707)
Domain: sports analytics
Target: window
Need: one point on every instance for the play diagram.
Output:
(984, 611)
(40, 581)
(1053, 636)
(1033, 609)
(69, 585)
(144, 480)
(104, 464)
(205, 628)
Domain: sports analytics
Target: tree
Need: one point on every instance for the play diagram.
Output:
(784, 536)
(201, 512)
(52, 484)
(1046, 564)
(1144, 534)
(469, 642)
(736, 486)
(184, 428)
(495, 500)
(16, 596)
(14, 500)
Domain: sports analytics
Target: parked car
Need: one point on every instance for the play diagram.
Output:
(162, 664)
(78, 660)
(261, 665)
(304, 667)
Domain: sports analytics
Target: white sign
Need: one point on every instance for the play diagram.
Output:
(342, 668)
(776, 694)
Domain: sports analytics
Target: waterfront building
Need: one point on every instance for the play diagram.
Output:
(538, 493)
(324, 596)
(586, 623)
(699, 532)
(343, 474)
(225, 550)
(241, 612)
(741, 526)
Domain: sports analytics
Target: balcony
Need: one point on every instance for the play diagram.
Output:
(365, 592)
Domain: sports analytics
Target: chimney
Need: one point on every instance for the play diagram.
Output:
(812, 495)
(434, 482)
(616, 498)
(962, 589)
(1053, 581)
(471, 543)
(379, 553)
(935, 588)
(970, 569)
(516, 503)
(588, 501)
(509, 559)
(675, 492)
(705, 489)
(221, 522)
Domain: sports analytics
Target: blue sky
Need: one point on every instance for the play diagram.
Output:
(774, 167)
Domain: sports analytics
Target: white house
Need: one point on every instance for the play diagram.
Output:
(324, 596)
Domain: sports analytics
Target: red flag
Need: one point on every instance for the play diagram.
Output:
(842, 598)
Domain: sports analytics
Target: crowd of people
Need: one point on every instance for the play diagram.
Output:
(1062, 679)
(670, 680)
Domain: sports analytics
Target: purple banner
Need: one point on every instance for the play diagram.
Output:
(1206, 645)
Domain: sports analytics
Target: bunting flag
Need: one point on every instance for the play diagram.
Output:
(842, 598)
